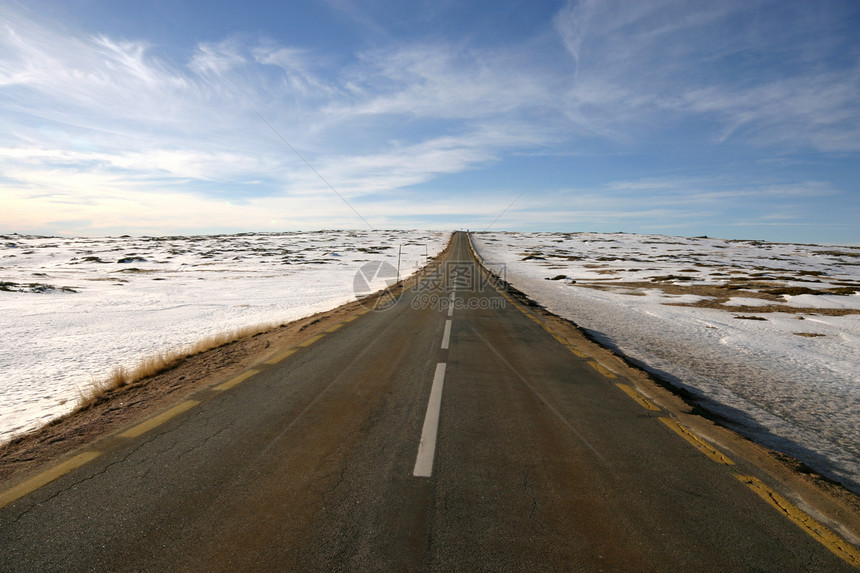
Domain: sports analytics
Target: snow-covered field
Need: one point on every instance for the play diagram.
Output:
(767, 334)
(71, 309)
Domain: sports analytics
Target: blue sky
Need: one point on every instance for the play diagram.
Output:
(728, 119)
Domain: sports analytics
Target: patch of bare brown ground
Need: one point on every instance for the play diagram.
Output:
(719, 295)
(108, 410)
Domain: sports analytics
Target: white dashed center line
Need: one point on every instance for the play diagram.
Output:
(446, 338)
(427, 446)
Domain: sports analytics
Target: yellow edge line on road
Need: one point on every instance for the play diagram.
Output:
(233, 381)
(576, 351)
(602, 369)
(565, 343)
(605, 371)
(46, 477)
(699, 443)
(557, 337)
(640, 399)
(141, 429)
(281, 356)
(28, 486)
(311, 340)
(528, 314)
(806, 522)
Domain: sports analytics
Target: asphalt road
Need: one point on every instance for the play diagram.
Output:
(334, 456)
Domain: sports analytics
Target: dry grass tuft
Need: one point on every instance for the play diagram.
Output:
(150, 366)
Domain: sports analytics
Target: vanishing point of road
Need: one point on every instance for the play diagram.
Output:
(449, 432)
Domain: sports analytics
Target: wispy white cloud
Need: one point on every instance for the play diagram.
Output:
(95, 116)
(818, 110)
(442, 81)
(299, 68)
(751, 67)
(572, 22)
(149, 121)
(216, 59)
(717, 188)
(688, 205)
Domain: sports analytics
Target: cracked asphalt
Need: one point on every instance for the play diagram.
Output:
(541, 463)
